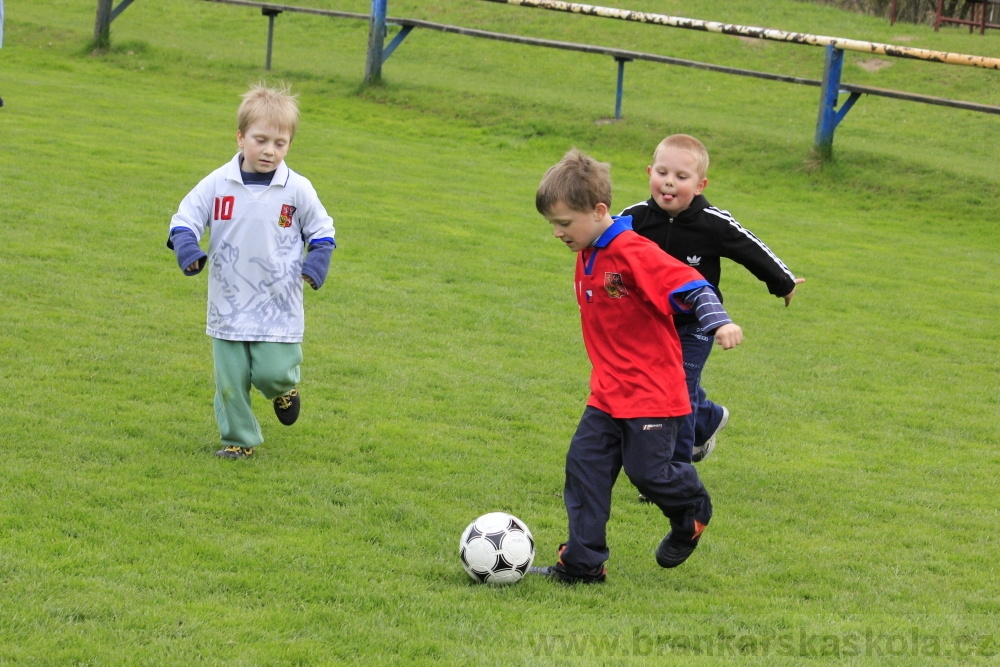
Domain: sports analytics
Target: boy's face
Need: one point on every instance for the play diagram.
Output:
(578, 229)
(674, 180)
(264, 147)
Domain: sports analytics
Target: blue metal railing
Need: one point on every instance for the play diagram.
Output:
(831, 86)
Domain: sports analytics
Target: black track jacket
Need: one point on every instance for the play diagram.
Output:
(700, 235)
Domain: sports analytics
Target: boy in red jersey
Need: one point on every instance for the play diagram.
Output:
(628, 290)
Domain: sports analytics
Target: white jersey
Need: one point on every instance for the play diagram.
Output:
(257, 241)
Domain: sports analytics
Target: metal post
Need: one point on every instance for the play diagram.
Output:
(270, 14)
(396, 41)
(102, 25)
(376, 39)
(122, 6)
(829, 92)
(621, 81)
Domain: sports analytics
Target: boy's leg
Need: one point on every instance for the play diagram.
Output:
(705, 415)
(647, 453)
(592, 466)
(274, 367)
(237, 425)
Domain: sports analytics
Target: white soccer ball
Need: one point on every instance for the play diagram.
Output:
(496, 548)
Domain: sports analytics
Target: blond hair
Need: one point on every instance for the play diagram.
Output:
(273, 106)
(578, 180)
(688, 144)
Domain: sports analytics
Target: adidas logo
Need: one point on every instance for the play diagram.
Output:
(694, 260)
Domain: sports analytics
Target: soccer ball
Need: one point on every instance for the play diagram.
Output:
(496, 548)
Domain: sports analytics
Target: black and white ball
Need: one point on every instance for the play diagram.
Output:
(497, 548)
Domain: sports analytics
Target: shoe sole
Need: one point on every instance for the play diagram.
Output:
(232, 456)
(549, 572)
(679, 553)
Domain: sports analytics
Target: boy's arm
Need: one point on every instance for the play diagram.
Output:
(318, 235)
(743, 247)
(652, 269)
(788, 297)
(187, 226)
(317, 262)
(190, 256)
(705, 305)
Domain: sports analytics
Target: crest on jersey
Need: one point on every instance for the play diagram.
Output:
(285, 219)
(614, 286)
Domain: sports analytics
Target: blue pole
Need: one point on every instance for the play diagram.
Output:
(122, 6)
(376, 38)
(830, 90)
(621, 81)
(396, 41)
(270, 14)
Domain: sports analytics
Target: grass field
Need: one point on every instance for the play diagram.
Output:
(855, 488)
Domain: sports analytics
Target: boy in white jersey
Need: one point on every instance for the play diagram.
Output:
(269, 233)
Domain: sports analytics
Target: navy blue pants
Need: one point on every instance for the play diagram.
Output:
(705, 415)
(601, 447)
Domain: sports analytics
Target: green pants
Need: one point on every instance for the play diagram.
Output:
(271, 367)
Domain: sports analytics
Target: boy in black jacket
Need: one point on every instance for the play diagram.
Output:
(682, 222)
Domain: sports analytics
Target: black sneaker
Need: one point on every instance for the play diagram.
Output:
(559, 572)
(232, 452)
(287, 407)
(644, 499)
(675, 550)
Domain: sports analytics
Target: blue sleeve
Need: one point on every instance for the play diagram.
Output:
(317, 261)
(185, 245)
(707, 308)
(677, 299)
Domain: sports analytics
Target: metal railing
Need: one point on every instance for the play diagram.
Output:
(830, 116)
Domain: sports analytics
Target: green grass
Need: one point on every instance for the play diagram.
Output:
(444, 371)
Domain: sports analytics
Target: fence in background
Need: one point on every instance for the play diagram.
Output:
(830, 116)
(831, 87)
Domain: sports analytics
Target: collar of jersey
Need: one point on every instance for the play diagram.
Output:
(619, 224)
(233, 172)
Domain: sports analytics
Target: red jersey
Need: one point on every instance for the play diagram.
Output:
(626, 287)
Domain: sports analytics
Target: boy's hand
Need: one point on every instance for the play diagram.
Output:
(309, 280)
(729, 336)
(788, 297)
(195, 266)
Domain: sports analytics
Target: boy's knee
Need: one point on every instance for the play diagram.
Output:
(275, 369)
(642, 480)
(274, 382)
